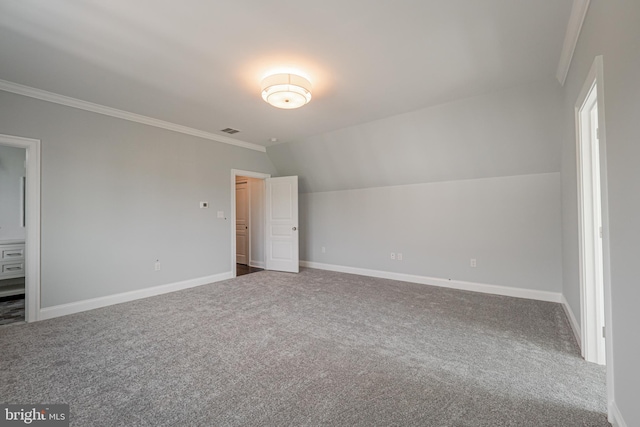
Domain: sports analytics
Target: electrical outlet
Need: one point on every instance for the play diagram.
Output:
(473, 263)
(399, 256)
(157, 265)
(221, 214)
(393, 255)
(324, 250)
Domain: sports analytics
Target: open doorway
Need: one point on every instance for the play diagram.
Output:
(13, 162)
(276, 244)
(247, 226)
(19, 229)
(249, 222)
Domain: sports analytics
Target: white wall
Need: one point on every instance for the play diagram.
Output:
(611, 29)
(510, 225)
(12, 171)
(117, 195)
(476, 178)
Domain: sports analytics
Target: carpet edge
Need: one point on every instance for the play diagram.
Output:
(444, 283)
(93, 303)
(575, 327)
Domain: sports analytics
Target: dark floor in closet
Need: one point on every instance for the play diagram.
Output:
(242, 269)
(11, 309)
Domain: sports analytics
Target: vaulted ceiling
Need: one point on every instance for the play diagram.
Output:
(199, 63)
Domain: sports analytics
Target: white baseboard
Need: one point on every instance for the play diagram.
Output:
(90, 304)
(615, 417)
(572, 321)
(445, 283)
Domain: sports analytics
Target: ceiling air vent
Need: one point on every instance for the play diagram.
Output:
(230, 131)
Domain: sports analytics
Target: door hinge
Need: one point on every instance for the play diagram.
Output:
(603, 332)
(598, 133)
(601, 232)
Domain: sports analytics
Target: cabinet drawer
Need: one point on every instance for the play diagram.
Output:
(12, 252)
(12, 268)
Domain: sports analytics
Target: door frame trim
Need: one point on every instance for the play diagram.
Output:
(596, 76)
(234, 173)
(32, 225)
(591, 260)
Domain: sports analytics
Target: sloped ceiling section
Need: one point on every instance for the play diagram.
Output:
(505, 133)
(199, 63)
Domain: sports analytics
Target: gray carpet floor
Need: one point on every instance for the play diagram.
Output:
(317, 348)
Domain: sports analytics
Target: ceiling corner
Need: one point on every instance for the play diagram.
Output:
(55, 98)
(578, 14)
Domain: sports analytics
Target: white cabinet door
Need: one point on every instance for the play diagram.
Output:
(282, 224)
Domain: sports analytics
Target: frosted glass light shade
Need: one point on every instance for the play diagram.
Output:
(286, 90)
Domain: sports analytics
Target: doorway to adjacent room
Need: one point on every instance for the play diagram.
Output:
(266, 236)
(249, 224)
(20, 229)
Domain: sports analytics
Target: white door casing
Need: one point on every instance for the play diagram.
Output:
(282, 224)
(593, 221)
(593, 344)
(242, 223)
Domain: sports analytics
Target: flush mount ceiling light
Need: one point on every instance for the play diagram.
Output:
(286, 90)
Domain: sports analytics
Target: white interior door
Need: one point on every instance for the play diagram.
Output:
(282, 224)
(242, 223)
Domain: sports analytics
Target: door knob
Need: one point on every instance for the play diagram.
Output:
(294, 228)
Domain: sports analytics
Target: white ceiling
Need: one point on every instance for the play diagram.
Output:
(199, 63)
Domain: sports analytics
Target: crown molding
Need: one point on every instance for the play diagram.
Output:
(121, 114)
(578, 14)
